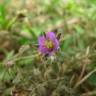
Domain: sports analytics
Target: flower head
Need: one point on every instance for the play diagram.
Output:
(48, 43)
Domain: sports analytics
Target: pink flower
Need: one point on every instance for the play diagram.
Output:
(48, 43)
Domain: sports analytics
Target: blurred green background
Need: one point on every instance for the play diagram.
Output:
(22, 21)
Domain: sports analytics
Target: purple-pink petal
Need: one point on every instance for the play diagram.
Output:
(56, 44)
(51, 36)
(41, 40)
(43, 50)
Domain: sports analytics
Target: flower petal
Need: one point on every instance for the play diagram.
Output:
(43, 50)
(41, 40)
(56, 44)
(50, 35)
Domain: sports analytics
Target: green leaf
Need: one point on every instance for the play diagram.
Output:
(9, 55)
(92, 1)
(92, 79)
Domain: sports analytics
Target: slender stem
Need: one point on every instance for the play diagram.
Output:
(84, 78)
(82, 73)
(89, 93)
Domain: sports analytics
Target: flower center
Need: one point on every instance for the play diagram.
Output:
(48, 44)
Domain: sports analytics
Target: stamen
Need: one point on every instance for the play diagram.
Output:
(48, 44)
